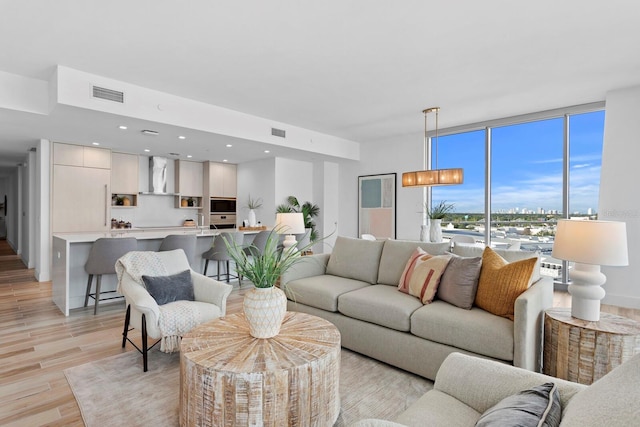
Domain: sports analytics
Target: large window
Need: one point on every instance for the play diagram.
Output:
(540, 168)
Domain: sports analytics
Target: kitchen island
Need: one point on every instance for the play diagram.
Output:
(71, 250)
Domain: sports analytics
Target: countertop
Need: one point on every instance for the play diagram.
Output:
(146, 233)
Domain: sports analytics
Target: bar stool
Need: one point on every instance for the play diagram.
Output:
(186, 242)
(218, 252)
(102, 260)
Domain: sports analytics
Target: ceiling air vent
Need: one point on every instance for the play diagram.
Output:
(108, 94)
(278, 132)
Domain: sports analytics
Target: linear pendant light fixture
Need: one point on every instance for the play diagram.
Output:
(432, 177)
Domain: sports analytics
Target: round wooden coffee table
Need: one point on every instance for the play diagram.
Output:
(228, 377)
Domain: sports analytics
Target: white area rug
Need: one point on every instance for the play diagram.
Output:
(115, 392)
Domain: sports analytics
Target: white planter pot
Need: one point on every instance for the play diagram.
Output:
(435, 231)
(424, 233)
(264, 309)
(252, 218)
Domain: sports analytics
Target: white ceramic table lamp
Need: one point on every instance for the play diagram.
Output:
(289, 224)
(589, 244)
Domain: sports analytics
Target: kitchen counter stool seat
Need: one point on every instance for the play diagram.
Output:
(218, 252)
(102, 260)
(186, 242)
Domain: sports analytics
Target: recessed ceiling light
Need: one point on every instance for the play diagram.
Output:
(189, 156)
(122, 127)
(146, 150)
(95, 143)
(182, 137)
(225, 160)
(229, 145)
(267, 151)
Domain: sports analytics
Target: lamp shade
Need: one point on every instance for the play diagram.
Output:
(289, 223)
(433, 177)
(591, 242)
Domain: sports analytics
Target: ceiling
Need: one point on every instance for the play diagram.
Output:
(362, 70)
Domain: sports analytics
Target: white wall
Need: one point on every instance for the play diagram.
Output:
(258, 180)
(42, 220)
(619, 190)
(326, 189)
(380, 158)
(293, 178)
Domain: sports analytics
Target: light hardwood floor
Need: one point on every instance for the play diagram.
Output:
(37, 343)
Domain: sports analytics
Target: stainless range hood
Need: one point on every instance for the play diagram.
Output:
(158, 177)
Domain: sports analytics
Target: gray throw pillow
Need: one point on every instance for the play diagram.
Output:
(538, 406)
(166, 289)
(459, 282)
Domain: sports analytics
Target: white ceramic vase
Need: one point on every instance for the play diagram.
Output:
(424, 233)
(435, 231)
(252, 218)
(264, 309)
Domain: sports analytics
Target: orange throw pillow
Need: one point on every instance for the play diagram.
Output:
(422, 273)
(501, 283)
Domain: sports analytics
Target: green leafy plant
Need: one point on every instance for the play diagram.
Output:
(254, 203)
(264, 268)
(440, 210)
(309, 212)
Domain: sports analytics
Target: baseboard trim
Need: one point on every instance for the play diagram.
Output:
(622, 301)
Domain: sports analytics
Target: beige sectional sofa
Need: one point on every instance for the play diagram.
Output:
(355, 288)
(466, 387)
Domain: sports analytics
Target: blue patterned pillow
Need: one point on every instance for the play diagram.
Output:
(166, 289)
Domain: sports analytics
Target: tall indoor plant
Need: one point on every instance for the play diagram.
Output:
(266, 305)
(309, 212)
(436, 214)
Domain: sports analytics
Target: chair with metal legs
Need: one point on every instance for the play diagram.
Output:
(102, 260)
(218, 252)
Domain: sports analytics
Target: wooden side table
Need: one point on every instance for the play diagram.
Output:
(583, 351)
(229, 378)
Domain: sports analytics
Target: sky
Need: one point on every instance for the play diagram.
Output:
(526, 166)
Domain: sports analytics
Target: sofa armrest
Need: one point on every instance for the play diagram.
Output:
(307, 266)
(206, 289)
(481, 383)
(528, 324)
(137, 296)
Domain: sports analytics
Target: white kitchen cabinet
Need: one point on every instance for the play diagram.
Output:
(124, 173)
(222, 180)
(80, 199)
(78, 155)
(189, 178)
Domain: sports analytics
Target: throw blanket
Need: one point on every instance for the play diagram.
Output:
(176, 318)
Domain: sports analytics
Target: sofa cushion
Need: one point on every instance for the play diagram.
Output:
(610, 401)
(474, 330)
(422, 273)
(471, 250)
(355, 259)
(379, 304)
(395, 254)
(502, 282)
(321, 291)
(535, 407)
(459, 281)
(436, 408)
(166, 289)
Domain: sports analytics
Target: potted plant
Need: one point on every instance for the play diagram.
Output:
(436, 214)
(266, 305)
(252, 205)
(309, 212)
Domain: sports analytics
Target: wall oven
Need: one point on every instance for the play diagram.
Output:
(220, 221)
(222, 206)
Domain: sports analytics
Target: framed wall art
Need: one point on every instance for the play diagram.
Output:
(377, 205)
